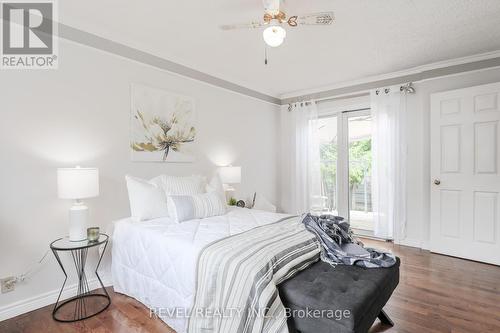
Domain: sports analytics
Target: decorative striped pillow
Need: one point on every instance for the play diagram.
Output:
(173, 185)
(187, 207)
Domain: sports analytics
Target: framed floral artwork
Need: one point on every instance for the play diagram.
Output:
(162, 125)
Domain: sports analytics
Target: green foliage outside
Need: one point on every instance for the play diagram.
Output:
(328, 165)
(360, 164)
(360, 157)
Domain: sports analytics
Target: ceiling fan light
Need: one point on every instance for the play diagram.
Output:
(274, 35)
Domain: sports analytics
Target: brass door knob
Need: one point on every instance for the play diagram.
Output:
(437, 182)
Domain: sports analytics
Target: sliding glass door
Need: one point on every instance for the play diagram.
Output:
(328, 134)
(359, 133)
(346, 160)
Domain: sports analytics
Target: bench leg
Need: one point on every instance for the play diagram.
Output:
(384, 318)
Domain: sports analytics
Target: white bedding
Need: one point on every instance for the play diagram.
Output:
(155, 261)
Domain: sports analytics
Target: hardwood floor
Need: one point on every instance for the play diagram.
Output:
(124, 315)
(436, 294)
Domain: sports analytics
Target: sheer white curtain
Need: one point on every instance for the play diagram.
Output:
(388, 108)
(304, 177)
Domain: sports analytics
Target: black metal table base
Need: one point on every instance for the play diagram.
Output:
(78, 307)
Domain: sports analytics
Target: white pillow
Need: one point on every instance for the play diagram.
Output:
(188, 207)
(262, 203)
(147, 200)
(215, 185)
(173, 185)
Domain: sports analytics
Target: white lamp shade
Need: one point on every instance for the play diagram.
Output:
(230, 174)
(77, 183)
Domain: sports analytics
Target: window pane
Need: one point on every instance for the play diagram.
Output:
(360, 167)
(328, 160)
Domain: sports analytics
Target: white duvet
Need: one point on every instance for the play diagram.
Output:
(155, 261)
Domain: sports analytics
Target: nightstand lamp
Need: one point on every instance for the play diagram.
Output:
(77, 184)
(230, 175)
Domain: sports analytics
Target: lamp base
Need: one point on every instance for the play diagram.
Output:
(78, 216)
(229, 192)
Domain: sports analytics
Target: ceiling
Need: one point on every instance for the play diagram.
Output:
(368, 37)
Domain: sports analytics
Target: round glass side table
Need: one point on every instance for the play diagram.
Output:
(86, 303)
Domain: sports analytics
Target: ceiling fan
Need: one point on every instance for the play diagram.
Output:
(275, 18)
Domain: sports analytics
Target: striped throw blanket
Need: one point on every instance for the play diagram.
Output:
(238, 277)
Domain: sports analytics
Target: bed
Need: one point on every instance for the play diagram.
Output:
(155, 261)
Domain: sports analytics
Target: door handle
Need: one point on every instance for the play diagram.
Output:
(437, 182)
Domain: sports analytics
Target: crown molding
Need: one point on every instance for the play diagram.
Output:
(107, 45)
(415, 74)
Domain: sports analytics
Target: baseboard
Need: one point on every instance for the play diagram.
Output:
(409, 242)
(44, 299)
(426, 245)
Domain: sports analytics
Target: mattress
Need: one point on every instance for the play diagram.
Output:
(155, 261)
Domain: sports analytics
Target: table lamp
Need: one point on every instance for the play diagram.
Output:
(77, 184)
(230, 175)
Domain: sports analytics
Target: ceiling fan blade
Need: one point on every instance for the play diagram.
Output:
(324, 18)
(251, 25)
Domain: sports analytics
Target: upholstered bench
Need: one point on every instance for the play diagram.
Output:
(342, 299)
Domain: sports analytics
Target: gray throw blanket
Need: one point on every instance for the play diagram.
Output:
(338, 245)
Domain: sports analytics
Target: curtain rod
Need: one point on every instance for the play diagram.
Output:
(338, 98)
(407, 88)
(327, 99)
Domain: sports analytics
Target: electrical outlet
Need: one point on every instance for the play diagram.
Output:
(8, 284)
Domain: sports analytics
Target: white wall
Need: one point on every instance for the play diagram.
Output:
(79, 114)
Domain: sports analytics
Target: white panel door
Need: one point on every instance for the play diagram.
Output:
(465, 160)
